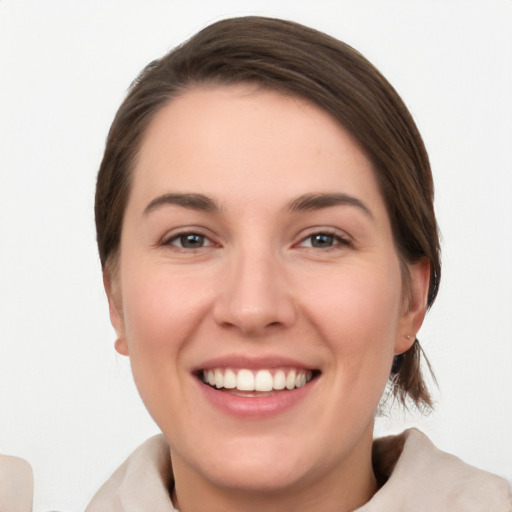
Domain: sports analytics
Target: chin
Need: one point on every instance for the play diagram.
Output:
(260, 464)
(258, 474)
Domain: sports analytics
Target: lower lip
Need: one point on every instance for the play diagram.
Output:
(257, 406)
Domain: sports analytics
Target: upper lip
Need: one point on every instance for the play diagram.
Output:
(252, 363)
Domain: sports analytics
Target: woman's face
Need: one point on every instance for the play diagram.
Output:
(256, 251)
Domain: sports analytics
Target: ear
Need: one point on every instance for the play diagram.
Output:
(415, 305)
(115, 306)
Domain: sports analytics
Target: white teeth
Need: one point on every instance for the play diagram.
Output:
(260, 380)
(290, 380)
(219, 379)
(245, 380)
(229, 379)
(279, 380)
(263, 381)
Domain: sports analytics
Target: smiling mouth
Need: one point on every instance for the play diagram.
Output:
(245, 382)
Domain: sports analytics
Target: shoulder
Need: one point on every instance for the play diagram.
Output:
(16, 484)
(143, 479)
(421, 477)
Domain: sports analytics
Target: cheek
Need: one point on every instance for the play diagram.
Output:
(159, 307)
(161, 316)
(358, 316)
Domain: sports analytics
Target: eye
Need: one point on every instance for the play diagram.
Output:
(323, 241)
(189, 241)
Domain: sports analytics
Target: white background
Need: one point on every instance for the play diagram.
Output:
(67, 401)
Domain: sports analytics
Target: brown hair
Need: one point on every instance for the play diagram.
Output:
(298, 60)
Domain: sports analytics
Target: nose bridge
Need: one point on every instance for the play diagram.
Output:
(254, 294)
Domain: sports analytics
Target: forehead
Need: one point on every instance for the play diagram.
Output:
(218, 139)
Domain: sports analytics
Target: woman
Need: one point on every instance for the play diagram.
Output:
(265, 223)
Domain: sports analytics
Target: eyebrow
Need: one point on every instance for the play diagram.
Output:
(306, 202)
(309, 202)
(191, 201)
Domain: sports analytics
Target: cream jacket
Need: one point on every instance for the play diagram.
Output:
(420, 478)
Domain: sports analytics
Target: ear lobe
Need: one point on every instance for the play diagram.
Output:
(115, 306)
(121, 346)
(415, 306)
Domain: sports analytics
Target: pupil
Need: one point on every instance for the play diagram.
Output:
(322, 240)
(192, 241)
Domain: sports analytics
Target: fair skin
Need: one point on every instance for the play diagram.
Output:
(255, 238)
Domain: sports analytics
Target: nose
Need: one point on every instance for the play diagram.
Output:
(254, 296)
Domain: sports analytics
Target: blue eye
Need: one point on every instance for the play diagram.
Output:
(190, 241)
(323, 241)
